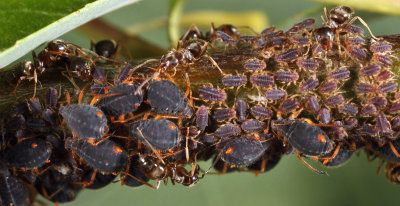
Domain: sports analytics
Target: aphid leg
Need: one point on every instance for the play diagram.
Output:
(364, 23)
(394, 150)
(380, 164)
(328, 159)
(298, 154)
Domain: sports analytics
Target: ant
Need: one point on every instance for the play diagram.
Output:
(337, 21)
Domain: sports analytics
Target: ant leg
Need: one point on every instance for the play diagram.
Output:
(142, 64)
(394, 150)
(337, 36)
(308, 165)
(151, 147)
(380, 164)
(154, 76)
(194, 28)
(212, 165)
(364, 23)
(71, 79)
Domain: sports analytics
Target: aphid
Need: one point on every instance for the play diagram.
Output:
(350, 123)
(286, 76)
(107, 156)
(98, 88)
(275, 94)
(327, 87)
(368, 129)
(162, 134)
(85, 121)
(225, 38)
(301, 42)
(309, 85)
(389, 151)
(268, 30)
(29, 154)
(382, 60)
(252, 125)
(395, 122)
(107, 48)
(368, 110)
(262, 80)
(254, 65)
(356, 53)
(339, 74)
(120, 100)
(287, 56)
(241, 109)
(387, 87)
(365, 87)
(355, 41)
(394, 107)
(382, 124)
(378, 101)
(308, 64)
(51, 98)
(343, 155)
(202, 117)
(312, 104)
(278, 42)
(101, 180)
(224, 114)
(124, 74)
(12, 190)
(383, 75)
(349, 108)
(370, 70)
(305, 24)
(34, 106)
(289, 105)
(380, 47)
(392, 171)
(260, 112)
(228, 29)
(98, 75)
(166, 98)
(306, 138)
(210, 93)
(324, 116)
(234, 80)
(334, 100)
(353, 29)
(227, 130)
(243, 151)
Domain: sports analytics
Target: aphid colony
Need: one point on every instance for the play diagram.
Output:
(320, 92)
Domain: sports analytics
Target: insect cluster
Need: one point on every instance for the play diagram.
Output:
(320, 92)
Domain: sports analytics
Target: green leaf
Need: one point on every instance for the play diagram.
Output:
(391, 7)
(29, 23)
(174, 17)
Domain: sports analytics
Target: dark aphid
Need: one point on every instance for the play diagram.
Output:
(370, 70)
(334, 100)
(99, 75)
(365, 87)
(223, 167)
(255, 65)
(301, 41)
(287, 56)
(278, 42)
(12, 191)
(98, 88)
(368, 129)
(34, 106)
(86, 121)
(307, 23)
(309, 85)
(14, 123)
(50, 116)
(324, 116)
(368, 110)
(241, 109)
(306, 138)
(36, 125)
(80, 67)
(249, 39)
(349, 108)
(202, 117)
(224, 114)
(135, 171)
(309, 64)
(383, 60)
(388, 87)
(123, 74)
(289, 105)
(51, 98)
(383, 75)
(356, 53)
(392, 171)
(382, 123)
(275, 94)
(211, 94)
(389, 150)
(324, 37)
(228, 130)
(312, 104)
(101, 180)
(272, 35)
(260, 112)
(394, 107)
(120, 100)
(339, 74)
(350, 123)
(225, 38)
(327, 87)
(378, 101)
(262, 80)
(166, 98)
(356, 41)
(234, 80)
(380, 47)
(252, 125)
(268, 30)
(395, 122)
(107, 156)
(353, 29)
(243, 151)
(344, 154)
(29, 154)
(106, 48)
(162, 134)
(286, 76)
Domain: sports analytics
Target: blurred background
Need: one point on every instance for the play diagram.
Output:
(142, 27)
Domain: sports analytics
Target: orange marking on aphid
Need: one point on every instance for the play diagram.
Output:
(47, 161)
(99, 114)
(137, 106)
(321, 138)
(171, 126)
(229, 150)
(117, 149)
(91, 141)
(34, 145)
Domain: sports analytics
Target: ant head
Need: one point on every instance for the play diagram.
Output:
(340, 14)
